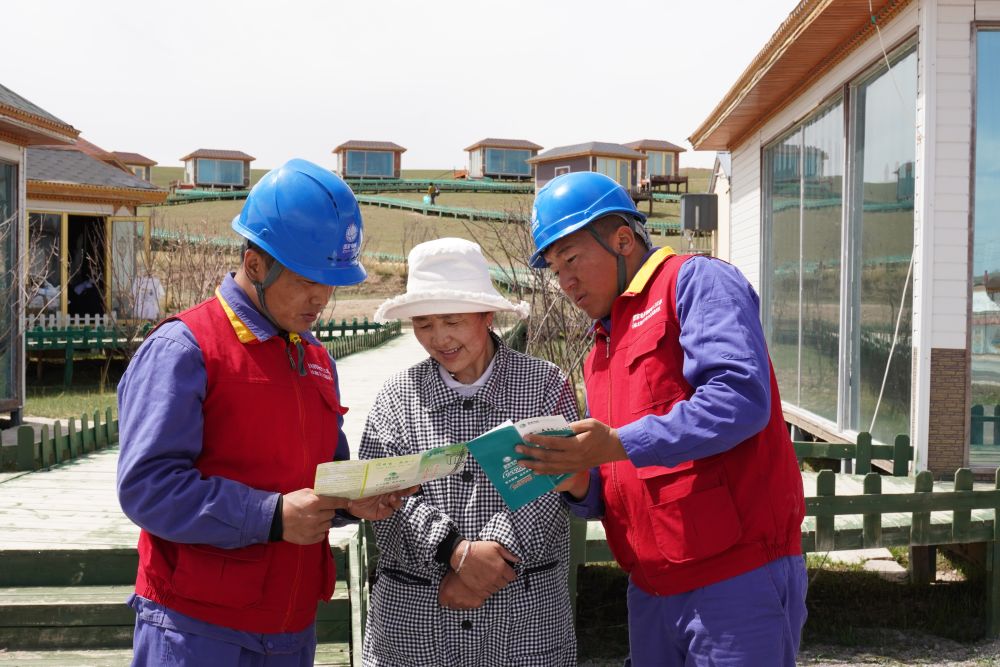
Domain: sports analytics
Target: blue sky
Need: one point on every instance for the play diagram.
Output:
(297, 78)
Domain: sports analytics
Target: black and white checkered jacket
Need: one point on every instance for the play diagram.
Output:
(529, 622)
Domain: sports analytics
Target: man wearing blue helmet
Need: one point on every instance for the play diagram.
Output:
(224, 412)
(686, 456)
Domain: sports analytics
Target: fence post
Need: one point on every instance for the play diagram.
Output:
(993, 572)
(976, 430)
(872, 521)
(73, 438)
(961, 523)
(26, 449)
(922, 567)
(112, 426)
(100, 434)
(826, 485)
(863, 464)
(901, 456)
(46, 449)
(87, 432)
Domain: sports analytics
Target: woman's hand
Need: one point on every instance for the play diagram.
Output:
(486, 567)
(379, 507)
(453, 594)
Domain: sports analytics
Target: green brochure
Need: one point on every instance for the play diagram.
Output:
(494, 450)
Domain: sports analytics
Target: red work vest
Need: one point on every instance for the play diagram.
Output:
(267, 427)
(678, 528)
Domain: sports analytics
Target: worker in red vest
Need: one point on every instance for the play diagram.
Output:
(686, 455)
(225, 412)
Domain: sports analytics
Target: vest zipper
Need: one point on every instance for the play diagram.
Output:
(305, 467)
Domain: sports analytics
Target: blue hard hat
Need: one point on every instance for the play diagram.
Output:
(308, 219)
(570, 202)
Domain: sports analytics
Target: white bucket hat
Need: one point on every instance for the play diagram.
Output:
(447, 276)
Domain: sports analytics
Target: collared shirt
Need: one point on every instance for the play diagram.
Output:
(160, 415)
(719, 316)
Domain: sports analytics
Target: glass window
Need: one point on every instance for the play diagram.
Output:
(986, 245)
(9, 336)
(883, 151)
(44, 274)
(559, 171)
(220, 172)
(376, 164)
(783, 200)
(619, 170)
(507, 162)
(654, 163)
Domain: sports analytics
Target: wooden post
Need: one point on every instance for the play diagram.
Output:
(961, 523)
(872, 526)
(863, 466)
(901, 456)
(46, 453)
(74, 439)
(88, 433)
(100, 433)
(993, 572)
(922, 557)
(112, 426)
(57, 442)
(826, 485)
(26, 449)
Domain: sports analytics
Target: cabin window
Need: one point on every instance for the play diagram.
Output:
(220, 172)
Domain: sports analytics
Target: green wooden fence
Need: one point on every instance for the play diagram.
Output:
(58, 445)
(862, 452)
(344, 345)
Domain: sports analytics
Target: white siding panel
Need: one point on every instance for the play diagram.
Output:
(948, 253)
(948, 271)
(988, 10)
(952, 185)
(10, 152)
(957, 13)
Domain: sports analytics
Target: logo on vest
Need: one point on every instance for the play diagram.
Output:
(319, 371)
(641, 318)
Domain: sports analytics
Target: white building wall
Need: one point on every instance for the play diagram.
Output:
(988, 10)
(745, 220)
(723, 234)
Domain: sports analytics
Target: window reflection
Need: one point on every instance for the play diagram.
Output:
(883, 153)
(985, 324)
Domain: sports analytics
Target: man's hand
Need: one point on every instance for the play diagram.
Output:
(305, 517)
(576, 485)
(379, 507)
(453, 594)
(487, 567)
(594, 443)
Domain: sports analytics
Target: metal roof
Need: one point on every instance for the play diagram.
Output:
(59, 165)
(216, 154)
(363, 145)
(602, 148)
(655, 145)
(505, 143)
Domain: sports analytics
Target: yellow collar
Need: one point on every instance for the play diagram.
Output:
(645, 271)
(243, 332)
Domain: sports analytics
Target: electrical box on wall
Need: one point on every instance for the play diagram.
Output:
(699, 212)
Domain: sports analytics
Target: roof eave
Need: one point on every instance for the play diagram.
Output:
(63, 191)
(721, 131)
(24, 132)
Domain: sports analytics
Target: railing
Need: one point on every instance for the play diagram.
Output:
(64, 321)
(344, 345)
(70, 340)
(57, 445)
(863, 452)
(433, 209)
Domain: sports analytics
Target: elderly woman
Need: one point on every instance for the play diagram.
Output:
(461, 580)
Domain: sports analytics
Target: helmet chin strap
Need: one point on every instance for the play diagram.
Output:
(291, 336)
(618, 256)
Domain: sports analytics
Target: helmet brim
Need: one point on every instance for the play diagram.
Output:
(537, 260)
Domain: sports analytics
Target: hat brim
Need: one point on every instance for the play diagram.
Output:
(444, 302)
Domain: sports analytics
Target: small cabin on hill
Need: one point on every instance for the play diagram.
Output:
(662, 165)
(369, 159)
(140, 165)
(217, 169)
(502, 159)
(614, 160)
